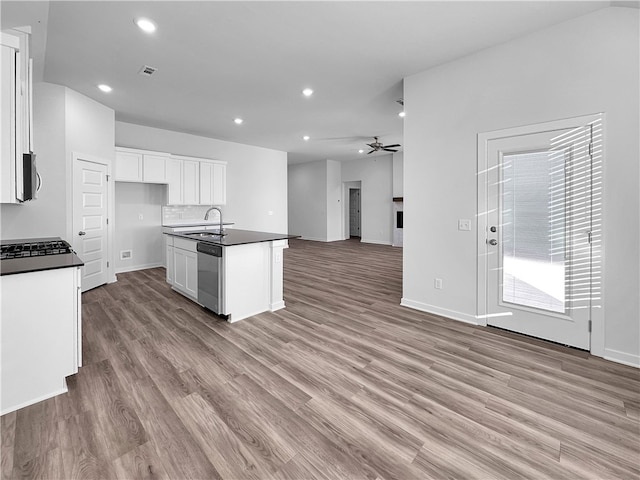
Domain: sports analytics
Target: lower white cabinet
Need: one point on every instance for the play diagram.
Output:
(185, 267)
(41, 340)
(169, 258)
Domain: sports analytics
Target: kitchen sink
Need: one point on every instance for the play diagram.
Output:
(206, 234)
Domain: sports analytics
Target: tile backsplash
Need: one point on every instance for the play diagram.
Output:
(172, 215)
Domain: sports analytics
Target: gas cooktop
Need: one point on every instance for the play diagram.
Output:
(34, 249)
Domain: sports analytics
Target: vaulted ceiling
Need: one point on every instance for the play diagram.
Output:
(221, 60)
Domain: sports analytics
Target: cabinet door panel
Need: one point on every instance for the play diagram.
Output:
(213, 183)
(170, 264)
(128, 167)
(192, 274)
(191, 182)
(219, 184)
(154, 169)
(180, 269)
(174, 179)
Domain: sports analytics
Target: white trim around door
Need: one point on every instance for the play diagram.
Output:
(489, 209)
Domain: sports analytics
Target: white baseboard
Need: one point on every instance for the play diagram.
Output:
(443, 312)
(622, 357)
(36, 400)
(377, 242)
(134, 268)
(313, 239)
(276, 306)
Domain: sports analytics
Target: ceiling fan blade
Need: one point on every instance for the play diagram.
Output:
(371, 151)
(393, 146)
(389, 150)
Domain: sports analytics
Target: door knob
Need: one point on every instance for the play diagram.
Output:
(82, 233)
(493, 241)
(493, 229)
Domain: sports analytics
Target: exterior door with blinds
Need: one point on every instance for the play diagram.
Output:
(538, 233)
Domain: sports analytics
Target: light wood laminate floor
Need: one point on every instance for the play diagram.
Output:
(343, 383)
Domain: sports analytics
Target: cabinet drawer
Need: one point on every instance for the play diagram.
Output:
(184, 244)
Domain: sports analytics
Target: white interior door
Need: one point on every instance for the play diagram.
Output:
(538, 234)
(90, 207)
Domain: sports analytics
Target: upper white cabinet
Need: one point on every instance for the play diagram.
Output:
(191, 180)
(197, 181)
(15, 121)
(140, 166)
(174, 177)
(213, 183)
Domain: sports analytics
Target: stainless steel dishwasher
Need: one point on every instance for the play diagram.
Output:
(210, 276)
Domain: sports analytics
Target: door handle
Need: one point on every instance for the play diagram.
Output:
(82, 233)
(493, 241)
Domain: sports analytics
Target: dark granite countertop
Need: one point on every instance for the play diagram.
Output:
(234, 237)
(35, 264)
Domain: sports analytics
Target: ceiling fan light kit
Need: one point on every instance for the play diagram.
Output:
(376, 146)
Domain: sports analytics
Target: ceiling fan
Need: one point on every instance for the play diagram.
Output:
(377, 146)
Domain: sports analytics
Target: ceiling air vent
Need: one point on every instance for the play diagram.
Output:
(147, 71)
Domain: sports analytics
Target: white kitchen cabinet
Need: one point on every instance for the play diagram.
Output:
(185, 269)
(169, 258)
(174, 179)
(213, 183)
(154, 168)
(191, 182)
(140, 166)
(16, 118)
(128, 166)
(41, 341)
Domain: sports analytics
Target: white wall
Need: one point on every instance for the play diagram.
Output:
(46, 216)
(308, 200)
(256, 177)
(334, 201)
(318, 203)
(583, 66)
(142, 236)
(376, 196)
(398, 174)
(63, 122)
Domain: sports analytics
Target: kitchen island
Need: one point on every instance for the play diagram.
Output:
(243, 278)
(40, 320)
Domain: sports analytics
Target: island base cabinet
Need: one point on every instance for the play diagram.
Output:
(253, 279)
(185, 267)
(40, 338)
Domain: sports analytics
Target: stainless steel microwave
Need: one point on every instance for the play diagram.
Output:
(27, 189)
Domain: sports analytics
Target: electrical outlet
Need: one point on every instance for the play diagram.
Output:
(125, 254)
(438, 283)
(464, 225)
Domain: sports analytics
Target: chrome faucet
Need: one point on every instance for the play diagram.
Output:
(206, 217)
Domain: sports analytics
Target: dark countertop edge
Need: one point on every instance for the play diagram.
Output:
(186, 225)
(42, 263)
(235, 237)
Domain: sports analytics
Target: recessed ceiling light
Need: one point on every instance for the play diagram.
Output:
(145, 25)
(360, 151)
(307, 92)
(105, 88)
(401, 114)
(238, 121)
(305, 138)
